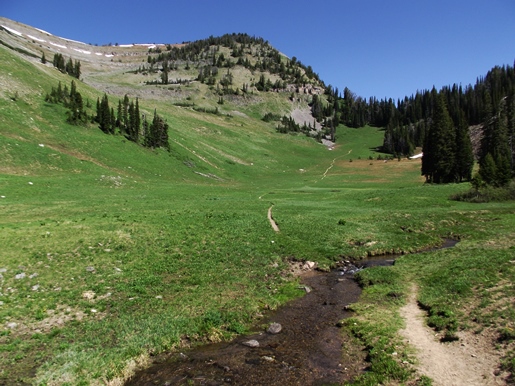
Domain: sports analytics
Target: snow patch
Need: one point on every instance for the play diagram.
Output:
(99, 53)
(126, 45)
(74, 41)
(12, 30)
(109, 55)
(35, 38)
(82, 51)
(45, 32)
(58, 45)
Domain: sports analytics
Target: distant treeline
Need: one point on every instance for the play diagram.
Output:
(439, 121)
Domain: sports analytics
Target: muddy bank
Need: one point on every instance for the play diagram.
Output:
(309, 350)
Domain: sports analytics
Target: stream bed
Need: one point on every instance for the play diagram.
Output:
(309, 349)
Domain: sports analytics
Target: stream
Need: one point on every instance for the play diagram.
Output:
(307, 350)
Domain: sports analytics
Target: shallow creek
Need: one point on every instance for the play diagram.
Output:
(307, 351)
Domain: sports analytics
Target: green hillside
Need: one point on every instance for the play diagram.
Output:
(113, 252)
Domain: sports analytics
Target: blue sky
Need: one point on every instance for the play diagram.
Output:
(376, 48)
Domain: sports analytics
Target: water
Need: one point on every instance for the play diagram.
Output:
(308, 350)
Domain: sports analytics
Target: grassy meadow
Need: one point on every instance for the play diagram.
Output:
(112, 252)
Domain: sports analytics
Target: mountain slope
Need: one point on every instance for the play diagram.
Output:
(233, 127)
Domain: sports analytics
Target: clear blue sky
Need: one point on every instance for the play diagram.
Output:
(376, 48)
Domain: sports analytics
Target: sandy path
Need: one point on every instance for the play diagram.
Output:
(469, 361)
(332, 164)
(272, 221)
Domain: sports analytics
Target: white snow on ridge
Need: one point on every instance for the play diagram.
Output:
(417, 156)
(41, 30)
(99, 53)
(126, 45)
(58, 45)
(35, 38)
(109, 56)
(12, 30)
(74, 41)
(149, 45)
(82, 51)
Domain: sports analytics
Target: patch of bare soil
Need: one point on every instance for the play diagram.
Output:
(273, 224)
(471, 360)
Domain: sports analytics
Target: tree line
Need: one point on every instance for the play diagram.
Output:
(205, 55)
(127, 121)
(72, 100)
(438, 121)
(69, 66)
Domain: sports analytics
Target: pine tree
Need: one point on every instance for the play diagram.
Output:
(438, 161)
(157, 133)
(119, 115)
(510, 123)
(104, 116)
(137, 121)
(164, 74)
(488, 170)
(76, 69)
(464, 154)
(69, 66)
(496, 148)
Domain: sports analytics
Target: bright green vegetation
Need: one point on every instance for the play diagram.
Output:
(466, 287)
(111, 251)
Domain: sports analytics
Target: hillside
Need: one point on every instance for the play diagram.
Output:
(111, 70)
(114, 252)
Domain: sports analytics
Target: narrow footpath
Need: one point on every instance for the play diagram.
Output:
(470, 361)
(273, 224)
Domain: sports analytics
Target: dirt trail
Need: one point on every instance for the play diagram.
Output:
(272, 221)
(332, 165)
(469, 361)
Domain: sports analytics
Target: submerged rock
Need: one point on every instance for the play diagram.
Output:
(251, 343)
(274, 328)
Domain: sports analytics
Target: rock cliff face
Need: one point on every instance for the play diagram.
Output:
(476, 134)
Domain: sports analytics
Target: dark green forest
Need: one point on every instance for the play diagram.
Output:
(440, 123)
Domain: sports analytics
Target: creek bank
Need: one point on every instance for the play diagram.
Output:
(308, 349)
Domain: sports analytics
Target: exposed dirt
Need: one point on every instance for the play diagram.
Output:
(472, 360)
(307, 351)
(273, 224)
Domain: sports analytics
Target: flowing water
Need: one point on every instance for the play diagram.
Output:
(309, 350)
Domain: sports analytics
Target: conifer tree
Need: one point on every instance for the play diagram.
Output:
(438, 161)
(157, 133)
(119, 115)
(464, 154)
(76, 69)
(104, 115)
(137, 120)
(488, 170)
(164, 74)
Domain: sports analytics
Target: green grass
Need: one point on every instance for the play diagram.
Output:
(128, 251)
